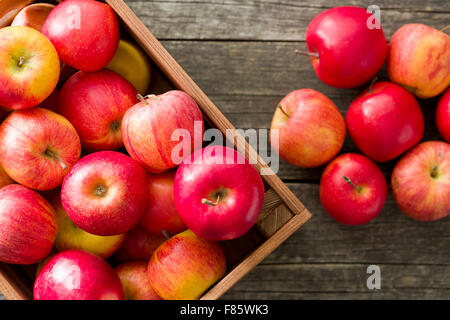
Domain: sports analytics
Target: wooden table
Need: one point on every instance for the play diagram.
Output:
(241, 53)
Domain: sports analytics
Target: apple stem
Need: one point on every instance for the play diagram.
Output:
(445, 28)
(310, 54)
(349, 181)
(144, 99)
(21, 61)
(375, 79)
(281, 109)
(51, 154)
(165, 234)
(209, 202)
(434, 171)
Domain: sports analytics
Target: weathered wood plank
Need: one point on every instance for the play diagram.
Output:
(268, 20)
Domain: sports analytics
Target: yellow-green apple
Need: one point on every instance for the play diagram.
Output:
(27, 225)
(421, 181)
(33, 15)
(344, 50)
(419, 59)
(310, 127)
(218, 193)
(139, 245)
(70, 236)
(135, 283)
(185, 266)
(4, 178)
(95, 102)
(384, 121)
(29, 67)
(105, 193)
(353, 189)
(132, 63)
(149, 126)
(77, 275)
(162, 216)
(443, 115)
(84, 32)
(38, 147)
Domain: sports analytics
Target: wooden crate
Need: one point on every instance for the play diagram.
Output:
(282, 212)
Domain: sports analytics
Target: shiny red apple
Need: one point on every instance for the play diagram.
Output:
(443, 115)
(384, 121)
(353, 189)
(27, 225)
(346, 45)
(149, 130)
(135, 283)
(105, 193)
(84, 32)
(95, 102)
(218, 194)
(77, 275)
(421, 181)
(38, 147)
(162, 216)
(139, 245)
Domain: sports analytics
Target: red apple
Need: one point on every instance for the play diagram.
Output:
(162, 216)
(84, 32)
(77, 275)
(218, 194)
(421, 181)
(70, 236)
(38, 147)
(4, 178)
(353, 189)
(139, 245)
(443, 115)
(33, 15)
(385, 121)
(27, 225)
(419, 59)
(344, 51)
(147, 129)
(311, 128)
(185, 266)
(29, 67)
(105, 193)
(135, 283)
(95, 102)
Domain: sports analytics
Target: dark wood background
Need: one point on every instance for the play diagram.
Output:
(241, 53)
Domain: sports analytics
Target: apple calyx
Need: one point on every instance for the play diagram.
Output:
(349, 181)
(115, 125)
(51, 154)
(307, 53)
(100, 191)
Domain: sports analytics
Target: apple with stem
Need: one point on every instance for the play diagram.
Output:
(353, 189)
(105, 193)
(38, 147)
(27, 225)
(135, 283)
(29, 67)
(443, 115)
(77, 275)
(421, 181)
(345, 51)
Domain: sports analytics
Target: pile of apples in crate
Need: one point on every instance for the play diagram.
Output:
(69, 94)
(347, 47)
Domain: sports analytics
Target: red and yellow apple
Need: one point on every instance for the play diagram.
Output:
(38, 147)
(421, 181)
(135, 283)
(29, 67)
(132, 64)
(27, 225)
(33, 16)
(77, 275)
(70, 236)
(105, 193)
(310, 127)
(139, 245)
(148, 128)
(162, 216)
(185, 266)
(353, 189)
(84, 32)
(384, 121)
(95, 102)
(419, 59)
(443, 115)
